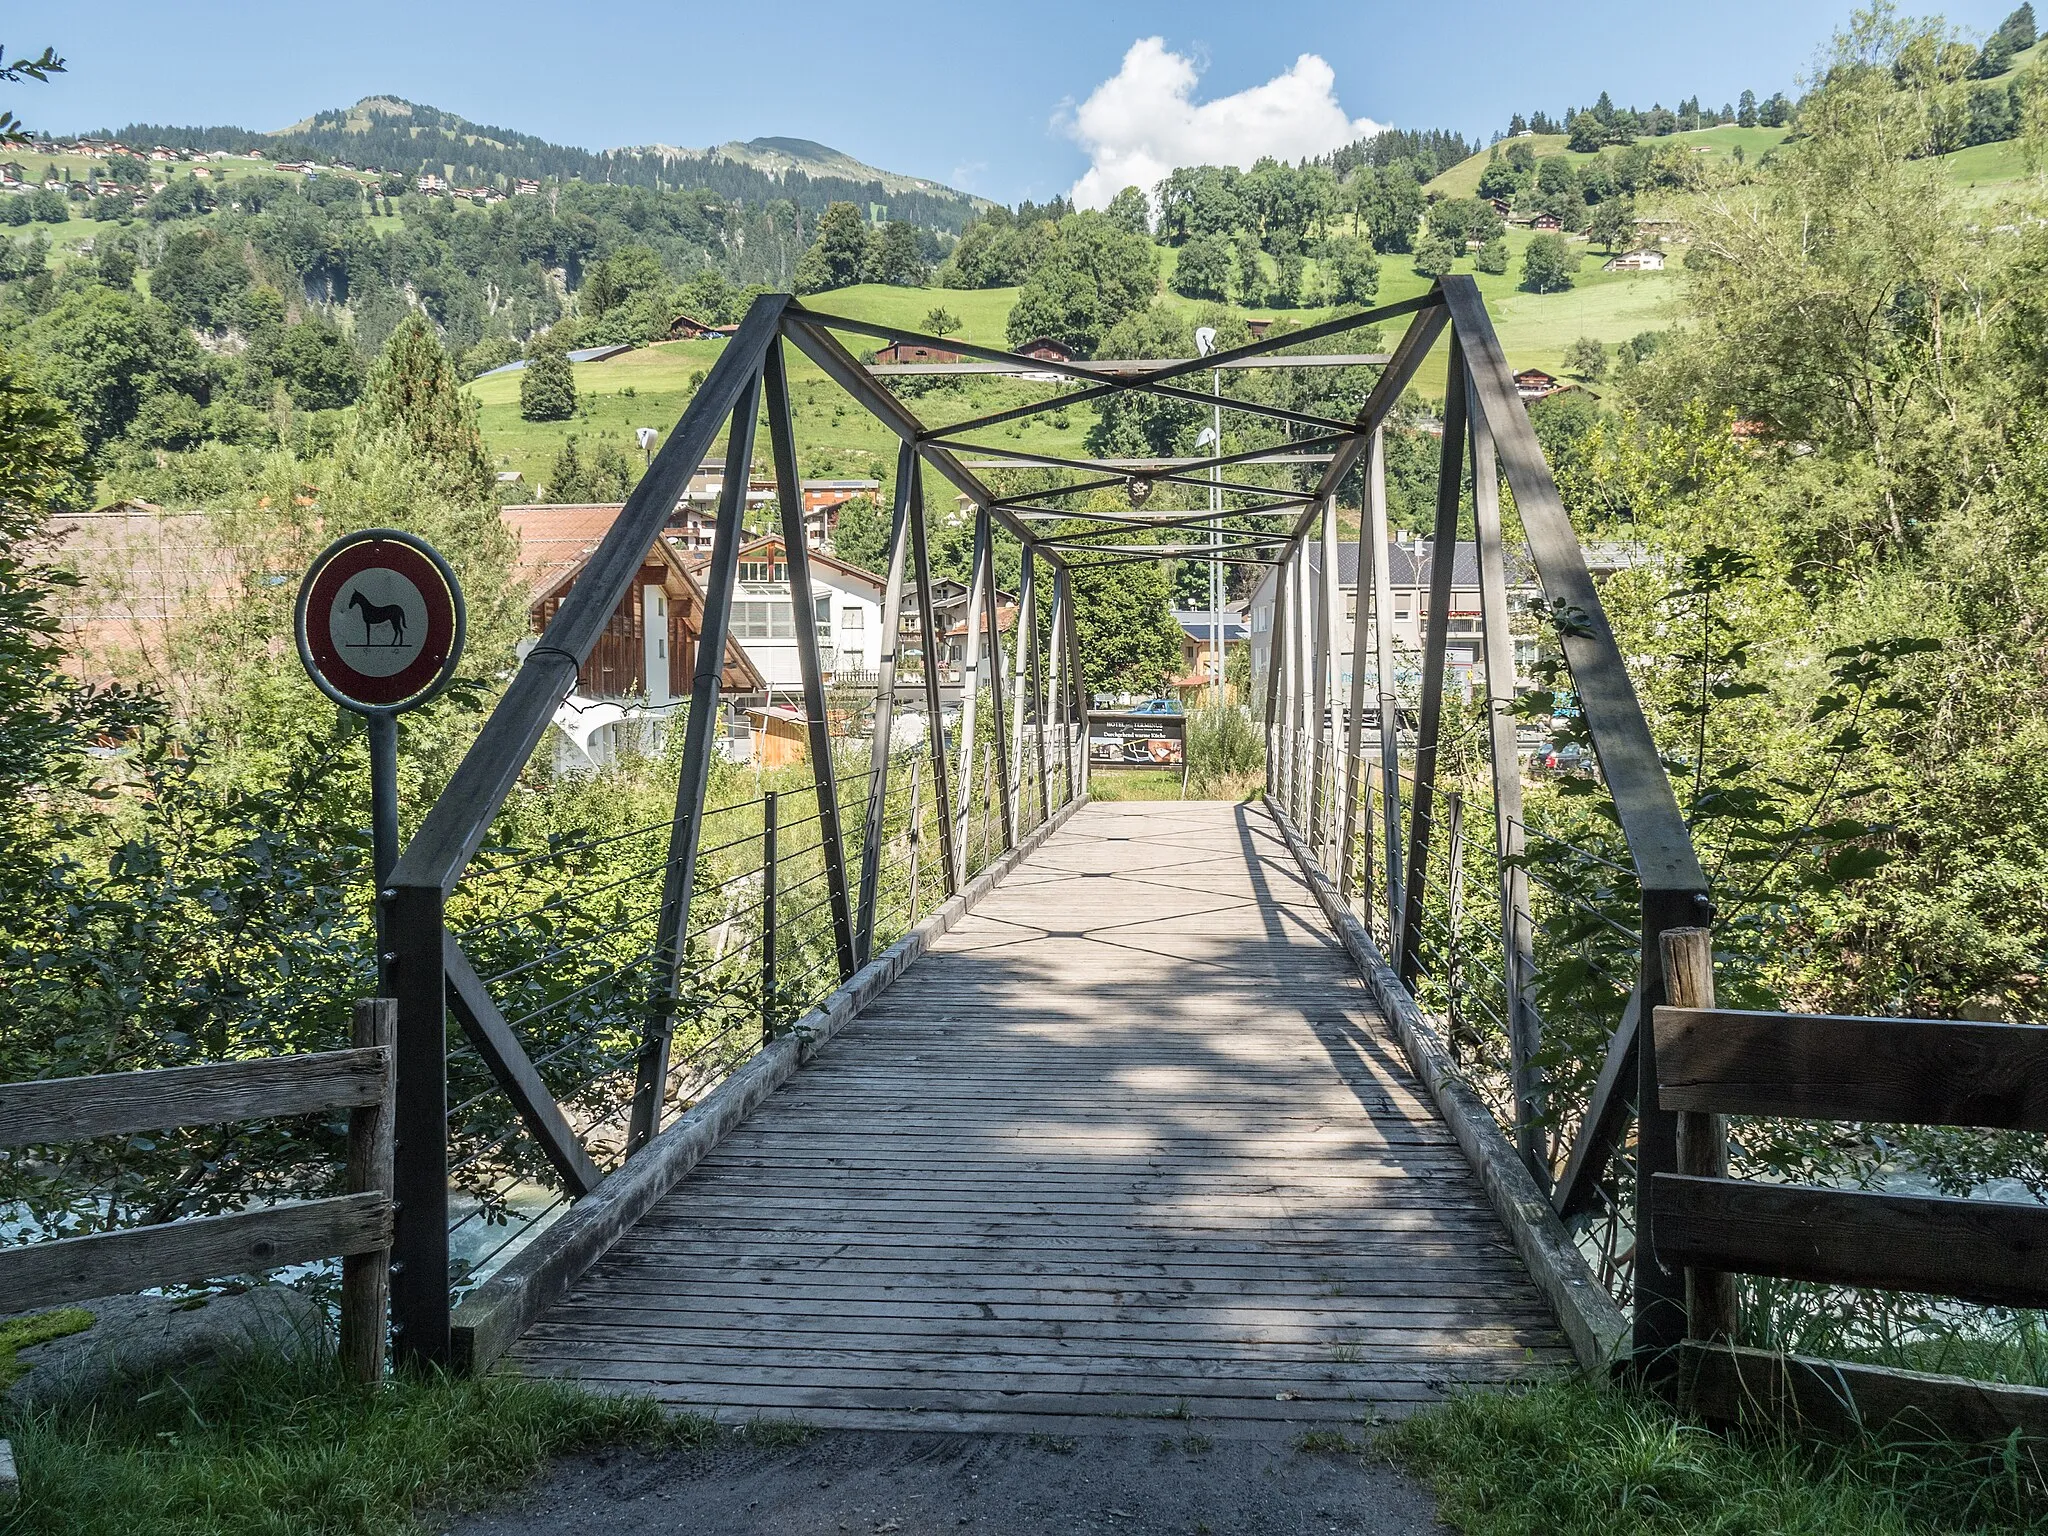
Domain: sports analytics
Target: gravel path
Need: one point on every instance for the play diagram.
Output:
(910, 1484)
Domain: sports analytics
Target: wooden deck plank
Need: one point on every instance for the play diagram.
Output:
(1130, 1142)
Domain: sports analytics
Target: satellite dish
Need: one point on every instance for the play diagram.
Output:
(1205, 339)
(647, 436)
(1205, 437)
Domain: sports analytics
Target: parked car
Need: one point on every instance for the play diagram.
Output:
(1161, 706)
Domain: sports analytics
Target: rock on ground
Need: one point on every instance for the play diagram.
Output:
(910, 1484)
(137, 1335)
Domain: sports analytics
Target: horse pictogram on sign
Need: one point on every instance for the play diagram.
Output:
(380, 621)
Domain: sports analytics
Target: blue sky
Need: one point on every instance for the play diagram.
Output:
(993, 98)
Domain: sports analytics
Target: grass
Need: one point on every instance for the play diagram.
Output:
(1133, 784)
(652, 385)
(1568, 1459)
(24, 1332)
(280, 1448)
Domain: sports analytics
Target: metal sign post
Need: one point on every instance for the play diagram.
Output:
(380, 625)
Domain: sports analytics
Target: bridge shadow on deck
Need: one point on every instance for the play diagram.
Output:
(1130, 1143)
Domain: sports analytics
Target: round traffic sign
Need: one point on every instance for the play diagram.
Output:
(380, 621)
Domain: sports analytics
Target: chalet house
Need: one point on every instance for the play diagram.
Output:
(847, 615)
(1534, 384)
(1258, 328)
(687, 328)
(1047, 350)
(949, 614)
(430, 183)
(1648, 260)
(525, 188)
(1545, 223)
(898, 352)
(695, 518)
(1409, 571)
(643, 663)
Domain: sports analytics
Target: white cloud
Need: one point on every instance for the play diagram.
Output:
(1143, 121)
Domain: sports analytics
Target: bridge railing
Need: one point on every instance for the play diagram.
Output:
(574, 971)
(1506, 933)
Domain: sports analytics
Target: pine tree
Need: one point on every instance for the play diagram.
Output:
(565, 485)
(412, 393)
(547, 389)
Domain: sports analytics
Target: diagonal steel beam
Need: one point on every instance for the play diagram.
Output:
(839, 365)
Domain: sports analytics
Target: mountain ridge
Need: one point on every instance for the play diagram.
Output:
(393, 134)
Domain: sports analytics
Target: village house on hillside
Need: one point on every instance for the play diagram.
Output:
(900, 352)
(1648, 259)
(695, 519)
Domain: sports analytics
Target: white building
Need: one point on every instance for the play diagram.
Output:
(1409, 567)
(847, 612)
(1647, 260)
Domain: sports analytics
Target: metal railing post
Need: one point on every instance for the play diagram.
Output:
(1319, 685)
(1058, 693)
(1006, 819)
(771, 863)
(1276, 671)
(679, 877)
(1504, 756)
(1368, 562)
(935, 718)
(885, 708)
(415, 919)
(970, 693)
(789, 497)
(1443, 555)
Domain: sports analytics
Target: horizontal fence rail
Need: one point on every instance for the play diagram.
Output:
(355, 1226)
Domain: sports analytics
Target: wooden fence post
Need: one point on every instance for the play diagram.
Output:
(366, 1277)
(1702, 1137)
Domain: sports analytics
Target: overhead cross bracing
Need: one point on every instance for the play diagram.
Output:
(1309, 457)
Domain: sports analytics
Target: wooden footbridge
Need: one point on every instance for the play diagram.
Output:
(917, 1086)
(1132, 1140)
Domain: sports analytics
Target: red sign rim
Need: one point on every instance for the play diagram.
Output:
(332, 667)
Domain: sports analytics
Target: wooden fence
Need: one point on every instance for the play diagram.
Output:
(1714, 1062)
(356, 1225)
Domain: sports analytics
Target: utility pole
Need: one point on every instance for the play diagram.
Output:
(1205, 344)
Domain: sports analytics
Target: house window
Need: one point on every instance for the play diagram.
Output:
(1351, 606)
(853, 618)
(763, 573)
(1402, 607)
(762, 619)
(822, 609)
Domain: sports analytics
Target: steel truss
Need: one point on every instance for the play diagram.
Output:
(1041, 686)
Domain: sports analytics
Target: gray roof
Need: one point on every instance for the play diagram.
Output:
(1196, 622)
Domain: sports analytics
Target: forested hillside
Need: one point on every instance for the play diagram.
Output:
(388, 134)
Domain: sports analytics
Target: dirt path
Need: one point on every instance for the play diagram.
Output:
(909, 1484)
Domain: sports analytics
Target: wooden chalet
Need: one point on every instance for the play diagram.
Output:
(649, 649)
(1047, 349)
(913, 352)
